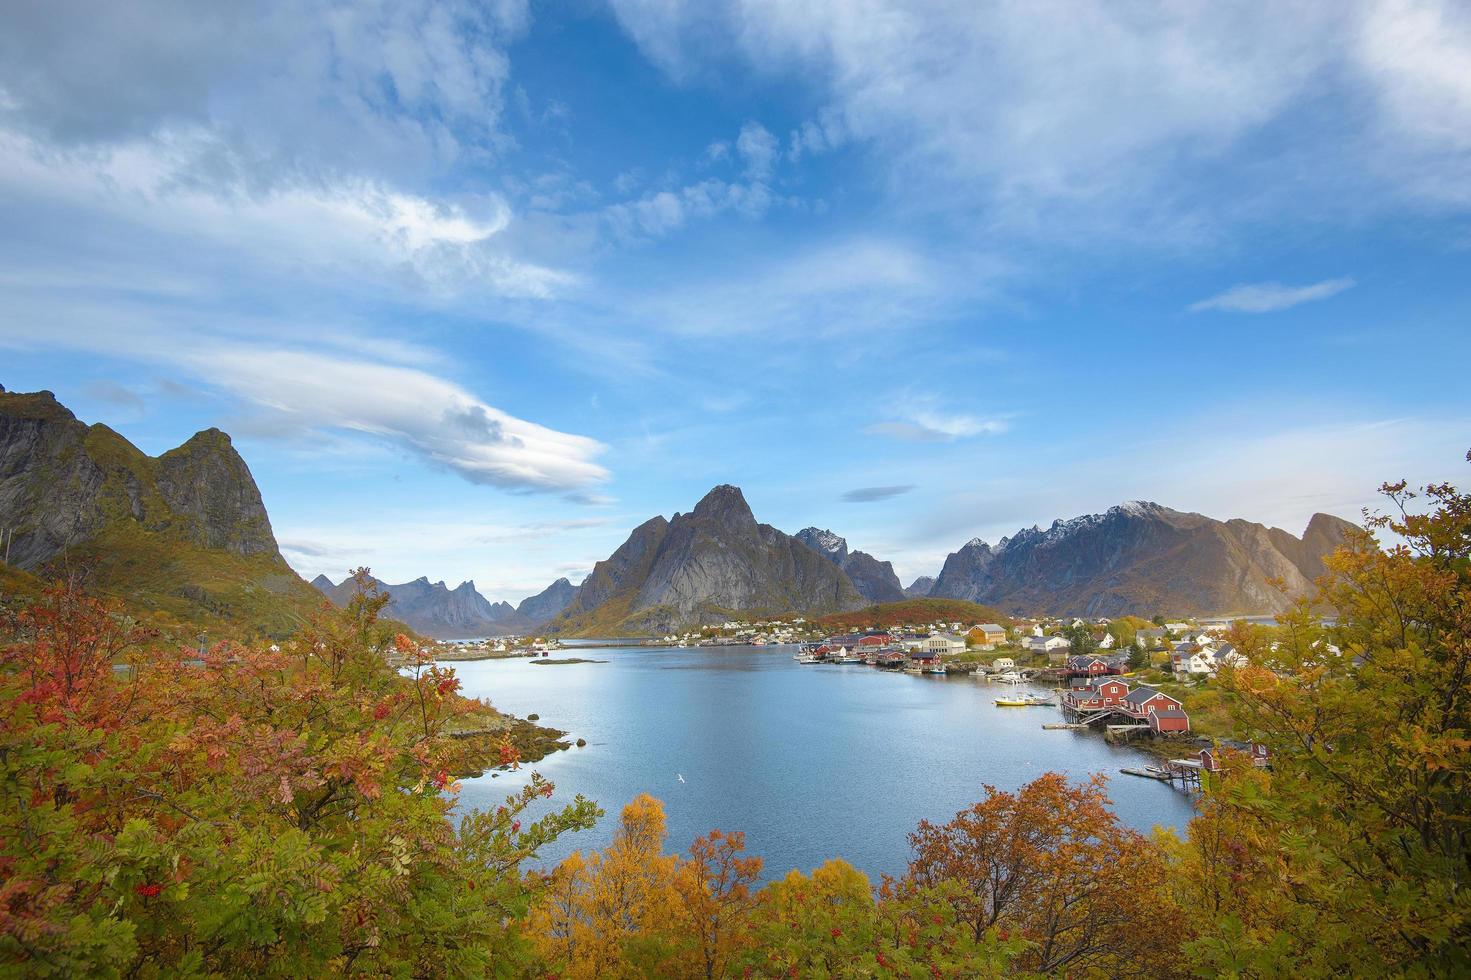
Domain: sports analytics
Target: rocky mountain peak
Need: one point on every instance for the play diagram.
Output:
(725, 504)
(824, 542)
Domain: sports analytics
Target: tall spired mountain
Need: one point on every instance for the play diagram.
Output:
(875, 580)
(184, 534)
(1143, 559)
(435, 609)
(703, 567)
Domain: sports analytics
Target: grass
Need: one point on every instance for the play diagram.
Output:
(173, 584)
(913, 612)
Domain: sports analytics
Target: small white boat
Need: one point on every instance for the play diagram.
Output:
(1010, 677)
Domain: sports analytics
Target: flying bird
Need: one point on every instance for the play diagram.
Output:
(680, 776)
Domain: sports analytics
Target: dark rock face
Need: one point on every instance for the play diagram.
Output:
(920, 587)
(183, 535)
(434, 609)
(1143, 559)
(206, 483)
(702, 567)
(875, 580)
(63, 482)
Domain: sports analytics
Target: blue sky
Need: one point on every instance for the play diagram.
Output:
(477, 287)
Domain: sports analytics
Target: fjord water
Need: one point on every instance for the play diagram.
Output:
(812, 762)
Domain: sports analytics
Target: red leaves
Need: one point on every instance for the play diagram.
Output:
(149, 890)
(448, 686)
(508, 754)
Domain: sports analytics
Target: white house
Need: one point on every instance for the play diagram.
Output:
(1107, 642)
(1047, 644)
(944, 643)
(1003, 663)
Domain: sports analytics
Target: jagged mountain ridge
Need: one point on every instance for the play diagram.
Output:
(875, 580)
(436, 610)
(702, 567)
(184, 534)
(433, 608)
(1144, 559)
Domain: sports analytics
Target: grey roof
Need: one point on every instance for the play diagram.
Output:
(992, 628)
(1141, 694)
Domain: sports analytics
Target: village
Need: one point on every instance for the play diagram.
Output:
(1130, 681)
(1128, 678)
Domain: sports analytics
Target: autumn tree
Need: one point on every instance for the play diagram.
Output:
(1052, 864)
(268, 812)
(1365, 815)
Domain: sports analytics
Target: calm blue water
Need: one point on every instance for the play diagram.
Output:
(812, 762)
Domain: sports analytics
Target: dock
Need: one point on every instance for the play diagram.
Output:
(1147, 774)
(1058, 726)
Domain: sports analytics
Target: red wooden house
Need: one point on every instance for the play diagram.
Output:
(1171, 721)
(1144, 699)
(1098, 696)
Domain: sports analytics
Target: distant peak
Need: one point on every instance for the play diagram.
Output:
(824, 541)
(977, 543)
(323, 582)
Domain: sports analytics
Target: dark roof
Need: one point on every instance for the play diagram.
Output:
(1141, 694)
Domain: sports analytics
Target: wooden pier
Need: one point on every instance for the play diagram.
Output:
(1058, 726)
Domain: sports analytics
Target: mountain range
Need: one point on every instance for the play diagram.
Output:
(1142, 558)
(436, 610)
(184, 536)
(180, 537)
(1139, 558)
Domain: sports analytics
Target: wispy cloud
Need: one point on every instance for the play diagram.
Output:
(430, 417)
(865, 495)
(930, 426)
(1269, 297)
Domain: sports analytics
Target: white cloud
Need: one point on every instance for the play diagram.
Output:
(1075, 117)
(757, 149)
(325, 226)
(935, 427)
(1416, 59)
(434, 419)
(841, 287)
(1269, 297)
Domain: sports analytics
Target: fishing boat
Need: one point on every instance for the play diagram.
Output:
(1010, 677)
(1026, 701)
